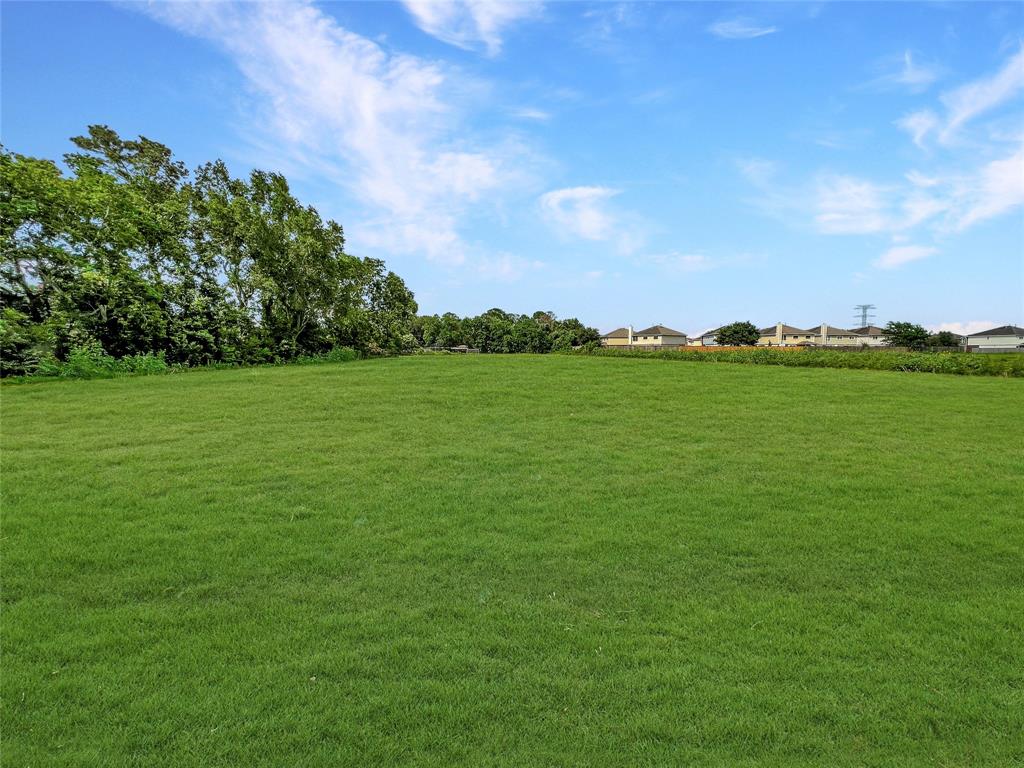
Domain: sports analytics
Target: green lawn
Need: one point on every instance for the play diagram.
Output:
(490, 560)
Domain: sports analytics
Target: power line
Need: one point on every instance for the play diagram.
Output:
(864, 314)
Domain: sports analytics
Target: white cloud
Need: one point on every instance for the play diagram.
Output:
(506, 267)
(847, 205)
(384, 125)
(674, 261)
(586, 213)
(997, 188)
(470, 24)
(918, 179)
(757, 170)
(739, 29)
(905, 73)
(903, 254)
(918, 125)
(965, 328)
(531, 113)
(970, 100)
(581, 211)
(967, 102)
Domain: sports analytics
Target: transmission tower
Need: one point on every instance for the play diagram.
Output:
(864, 314)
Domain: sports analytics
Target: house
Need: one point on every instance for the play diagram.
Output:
(1005, 338)
(782, 335)
(659, 336)
(824, 335)
(707, 339)
(620, 337)
(873, 335)
(830, 336)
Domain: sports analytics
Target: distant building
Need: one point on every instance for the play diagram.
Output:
(659, 336)
(824, 335)
(620, 337)
(1005, 338)
(655, 336)
(707, 339)
(875, 336)
(782, 335)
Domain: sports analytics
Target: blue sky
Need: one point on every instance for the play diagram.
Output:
(686, 164)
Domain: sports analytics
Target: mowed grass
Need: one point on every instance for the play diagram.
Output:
(528, 561)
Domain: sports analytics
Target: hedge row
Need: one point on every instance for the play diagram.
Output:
(960, 363)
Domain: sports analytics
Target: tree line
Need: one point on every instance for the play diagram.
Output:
(499, 331)
(127, 255)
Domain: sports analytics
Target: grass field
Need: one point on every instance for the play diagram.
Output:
(514, 560)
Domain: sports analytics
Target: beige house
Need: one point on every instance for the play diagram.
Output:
(783, 335)
(655, 336)
(620, 337)
(873, 335)
(659, 336)
(824, 335)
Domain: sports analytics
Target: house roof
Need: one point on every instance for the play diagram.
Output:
(1002, 330)
(618, 333)
(833, 331)
(658, 330)
(870, 330)
(770, 330)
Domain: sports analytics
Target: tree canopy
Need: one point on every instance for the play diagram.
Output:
(740, 334)
(903, 334)
(499, 331)
(126, 254)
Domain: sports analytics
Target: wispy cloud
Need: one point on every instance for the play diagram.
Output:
(586, 213)
(581, 211)
(919, 125)
(903, 72)
(996, 189)
(470, 24)
(384, 125)
(964, 104)
(741, 28)
(847, 205)
(899, 255)
(531, 113)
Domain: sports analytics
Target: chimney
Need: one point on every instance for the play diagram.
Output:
(778, 334)
(631, 335)
(824, 334)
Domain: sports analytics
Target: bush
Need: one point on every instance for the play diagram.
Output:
(89, 361)
(336, 355)
(959, 363)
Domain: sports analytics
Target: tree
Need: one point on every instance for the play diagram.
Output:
(903, 334)
(741, 334)
(126, 256)
(944, 339)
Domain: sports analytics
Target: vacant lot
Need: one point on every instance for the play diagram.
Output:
(514, 561)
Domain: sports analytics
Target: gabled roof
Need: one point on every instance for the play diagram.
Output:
(658, 330)
(832, 330)
(618, 333)
(870, 330)
(1002, 330)
(770, 330)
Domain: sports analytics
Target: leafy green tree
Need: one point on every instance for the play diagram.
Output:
(125, 257)
(944, 339)
(903, 334)
(741, 334)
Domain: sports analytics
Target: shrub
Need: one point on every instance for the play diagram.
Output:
(958, 363)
